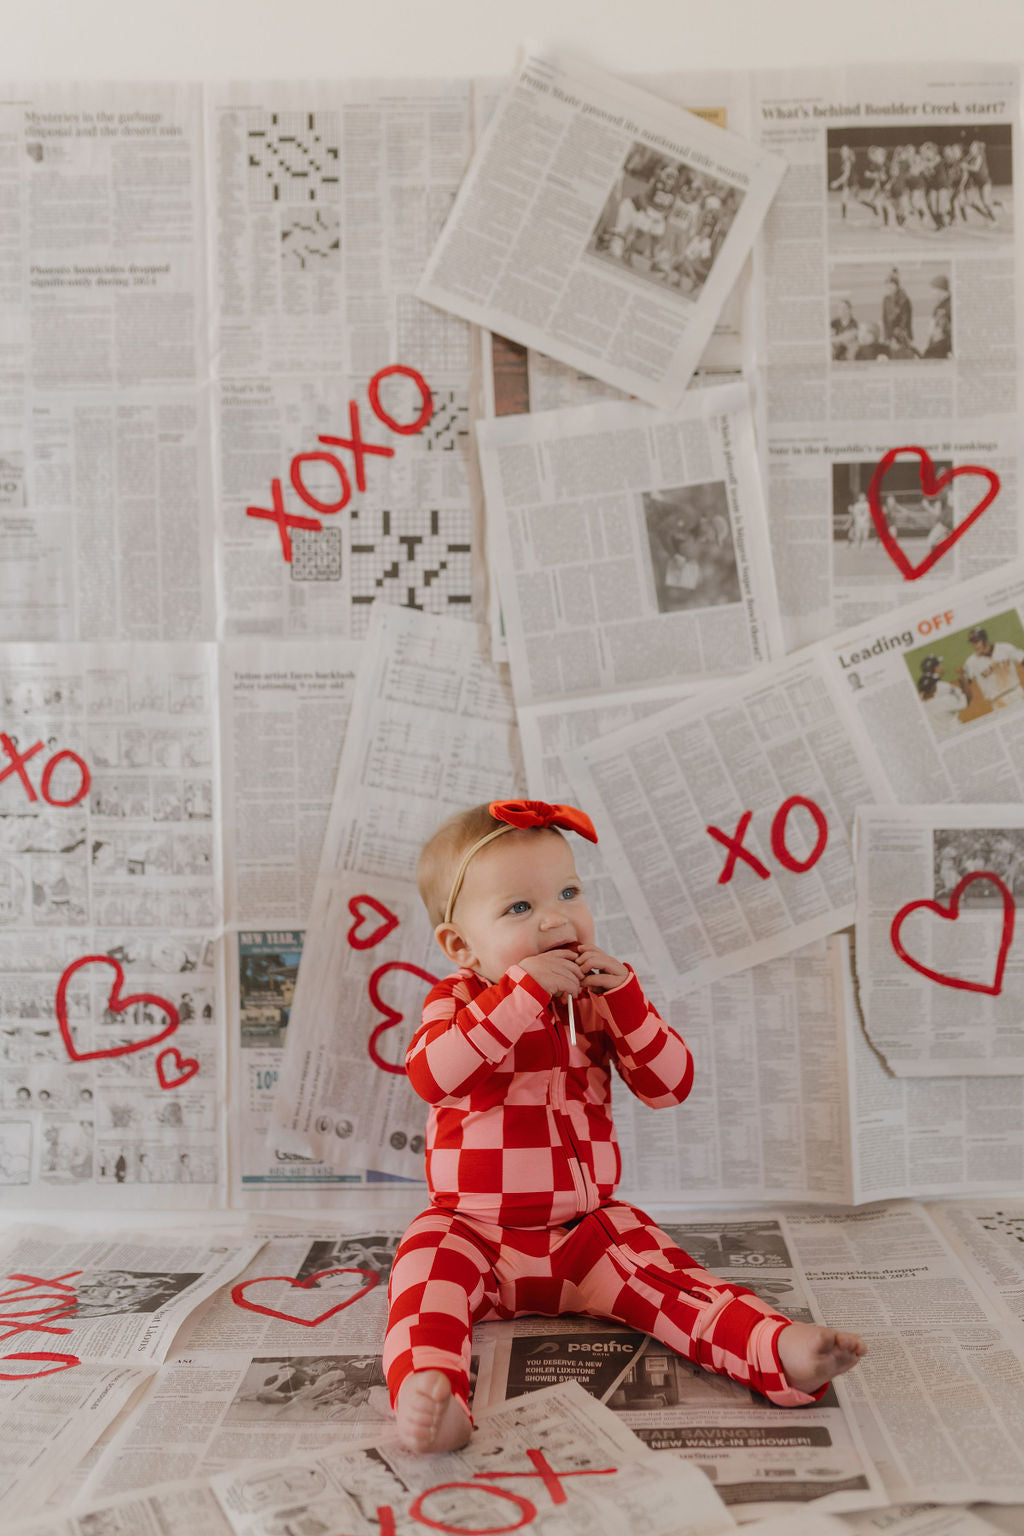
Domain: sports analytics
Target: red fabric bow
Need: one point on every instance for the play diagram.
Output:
(537, 813)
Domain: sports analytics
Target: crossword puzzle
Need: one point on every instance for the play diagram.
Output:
(316, 556)
(414, 559)
(293, 157)
(431, 341)
(448, 424)
(309, 237)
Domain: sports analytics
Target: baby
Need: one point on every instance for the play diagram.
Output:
(514, 1056)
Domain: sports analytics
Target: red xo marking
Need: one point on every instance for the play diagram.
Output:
(52, 1362)
(358, 940)
(391, 1017)
(931, 486)
(117, 1004)
(17, 765)
(240, 1300)
(950, 914)
(186, 1066)
(780, 848)
(47, 1300)
(360, 450)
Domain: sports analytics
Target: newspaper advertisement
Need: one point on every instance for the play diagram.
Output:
(554, 1448)
(938, 1395)
(759, 1457)
(726, 820)
(632, 548)
(105, 514)
(601, 225)
(98, 1312)
(342, 403)
(433, 733)
(112, 1067)
(886, 287)
(940, 982)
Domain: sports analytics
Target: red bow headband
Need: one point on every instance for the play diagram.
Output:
(515, 814)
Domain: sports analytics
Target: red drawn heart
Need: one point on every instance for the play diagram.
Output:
(391, 1017)
(117, 1004)
(356, 904)
(67, 1361)
(187, 1067)
(931, 487)
(237, 1296)
(950, 914)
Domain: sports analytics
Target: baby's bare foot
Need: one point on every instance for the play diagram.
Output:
(430, 1417)
(812, 1355)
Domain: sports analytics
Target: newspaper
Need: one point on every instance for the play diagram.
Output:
(436, 734)
(760, 1458)
(602, 226)
(936, 901)
(887, 315)
(342, 403)
(111, 1066)
(555, 1448)
(174, 1509)
(99, 1313)
(988, 1236)
(632, 548)
(924, 1520)
(106, 530)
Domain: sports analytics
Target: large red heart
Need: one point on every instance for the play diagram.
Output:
(187, 1067)
(391, 1017)
(117, 1004)
(238, 1297)
(950, 914)
(356, 904)
(931, 487)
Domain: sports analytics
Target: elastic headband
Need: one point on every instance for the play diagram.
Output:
(514, 814)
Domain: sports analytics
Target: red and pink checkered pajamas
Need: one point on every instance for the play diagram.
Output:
(522, 1163)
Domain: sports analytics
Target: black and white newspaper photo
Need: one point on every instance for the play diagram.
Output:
(602, 226)
(939, 975)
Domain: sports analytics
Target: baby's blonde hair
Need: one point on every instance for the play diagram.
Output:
(443, 853)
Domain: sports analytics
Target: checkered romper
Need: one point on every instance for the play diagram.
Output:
(522, 1164)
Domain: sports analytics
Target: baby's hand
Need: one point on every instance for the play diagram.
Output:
(557, 970)
(600, 972)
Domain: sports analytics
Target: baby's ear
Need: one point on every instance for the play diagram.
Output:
(452, 942)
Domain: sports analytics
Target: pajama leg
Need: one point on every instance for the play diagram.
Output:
(629, 1270)
(441, 1282)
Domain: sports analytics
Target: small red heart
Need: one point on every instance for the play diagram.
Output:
(931, 487)
(237, 1296)
(356, 905)
(950, 914)
(117, 1004)
(66, 1363)
(187, 1067)
(391, 1018)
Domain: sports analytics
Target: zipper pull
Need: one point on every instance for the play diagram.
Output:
(572, 1018)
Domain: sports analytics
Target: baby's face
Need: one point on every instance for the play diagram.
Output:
(521, 896)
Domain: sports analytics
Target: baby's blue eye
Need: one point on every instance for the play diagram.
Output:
(519, 907)
(570, 892)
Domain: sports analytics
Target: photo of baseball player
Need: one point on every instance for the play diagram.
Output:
(879, 311)
(915, 522)
(665, 221)
(969, 674)
(923, 186)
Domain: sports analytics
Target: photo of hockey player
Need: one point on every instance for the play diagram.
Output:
(960, 851)
(916, 522)
(919, 185)
(693, 558)
(881, 312)
(970, 674)
(664, 221)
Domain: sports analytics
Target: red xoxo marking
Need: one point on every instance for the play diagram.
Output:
(950, 914)
(187, 1067)
(356, 905)
(117, 1004)
(931, 486)
(240, 1300)
(391, 1016)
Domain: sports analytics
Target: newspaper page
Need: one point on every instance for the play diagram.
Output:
(923, 1520)
(887, 294)
(988, 1236)
(938, 1397)
(601, 225)
(726, 820)
(342, 402)
(105, 503)
(433, 732)
(631, 548)
(940, 983)
(112, 1066)
(761, 1459)
(554, 1448)
(176, 1509)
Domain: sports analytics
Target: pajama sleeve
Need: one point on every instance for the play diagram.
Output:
(652, 1060)
(463, 1039)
